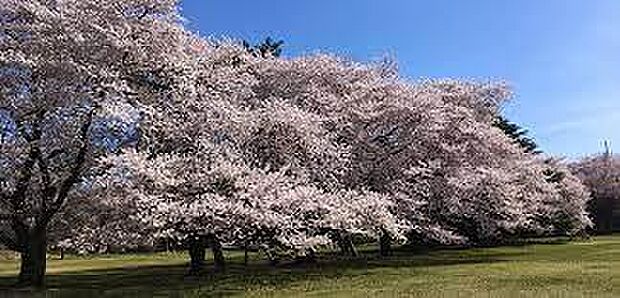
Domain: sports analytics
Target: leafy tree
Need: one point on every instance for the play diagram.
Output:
(518, 134)
(266, 48)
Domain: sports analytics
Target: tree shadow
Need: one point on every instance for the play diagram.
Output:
(172, 281)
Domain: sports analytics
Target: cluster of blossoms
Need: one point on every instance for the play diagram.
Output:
(295, 153)
(139, 130)
(601, 174)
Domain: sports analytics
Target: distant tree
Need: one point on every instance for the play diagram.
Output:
(517, 133)
(266, 48)
(601, 173)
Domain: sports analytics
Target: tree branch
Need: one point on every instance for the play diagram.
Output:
(48, 189)
(23, 182)
(74, 173)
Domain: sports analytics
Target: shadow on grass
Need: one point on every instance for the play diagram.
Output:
(171, 280)
(514, 243)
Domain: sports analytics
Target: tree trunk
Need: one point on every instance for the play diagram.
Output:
(311, 255)
(245, 253)
(33, 260)
(345, 242)
(344, 250)
(385, 245)
(196, 248)
(218, 253)
(351, 246)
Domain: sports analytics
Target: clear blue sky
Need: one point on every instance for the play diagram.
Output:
(561, 56)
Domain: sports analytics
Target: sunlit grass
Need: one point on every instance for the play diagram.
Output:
(573, 269)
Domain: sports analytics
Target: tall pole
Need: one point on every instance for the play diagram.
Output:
(607, 149)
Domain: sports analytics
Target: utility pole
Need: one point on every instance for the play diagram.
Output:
(607, 149)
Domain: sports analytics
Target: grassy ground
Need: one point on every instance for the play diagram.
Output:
(574, 269)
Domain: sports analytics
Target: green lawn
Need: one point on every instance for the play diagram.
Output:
(576, 269)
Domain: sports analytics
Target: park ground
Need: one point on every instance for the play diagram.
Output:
(585, 268)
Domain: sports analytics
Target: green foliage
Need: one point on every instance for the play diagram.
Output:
(518, 134)
(265, 49)
(553, 176)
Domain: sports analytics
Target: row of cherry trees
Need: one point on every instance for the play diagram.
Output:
(120, 128)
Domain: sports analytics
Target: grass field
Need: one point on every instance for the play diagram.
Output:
(575, 269)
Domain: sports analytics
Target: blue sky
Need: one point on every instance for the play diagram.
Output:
(562, 57)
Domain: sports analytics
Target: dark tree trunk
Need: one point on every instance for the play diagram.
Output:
(311, 255)
(31, 243)
(344, 250)
(351, 246)
(385, 244)
(345, 242)
(33, 260)
(603, 215)
(218, 253)
(196, 248)
(245, 253)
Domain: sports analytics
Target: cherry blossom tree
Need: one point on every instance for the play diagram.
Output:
(419, 143)
(255, 139)
(65, 64)
(601, 174)
(241, 172)
(567, 212)
(236, 148)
